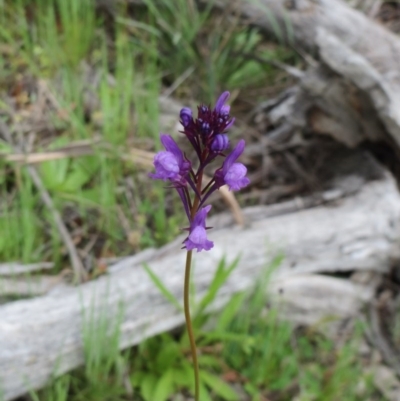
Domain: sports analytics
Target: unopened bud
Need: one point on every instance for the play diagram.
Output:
(220, 143)
(186, 116)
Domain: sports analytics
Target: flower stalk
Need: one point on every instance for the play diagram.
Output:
(207, 134)
(189, 326)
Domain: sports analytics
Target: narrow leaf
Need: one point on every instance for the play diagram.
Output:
(164, 290)
(219, 279)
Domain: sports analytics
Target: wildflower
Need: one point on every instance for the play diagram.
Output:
(208, 137)
(197, 233)
(166, 165)
(170, 164)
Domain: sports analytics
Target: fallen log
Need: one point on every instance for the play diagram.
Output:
(352, 92)
(354, 231)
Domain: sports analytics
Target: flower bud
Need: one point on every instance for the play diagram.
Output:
(186, 116)
(203, 109)
(220, 143)
(205, 128)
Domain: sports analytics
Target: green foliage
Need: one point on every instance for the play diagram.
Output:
(68, 176)
(166, 357)
(19, 224)
(273, 357)
(248, 338)
(101, 340)
(58, 391)
(103, 80)
(214, 53)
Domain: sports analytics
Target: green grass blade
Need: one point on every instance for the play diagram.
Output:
(163, 289)
(219, 279)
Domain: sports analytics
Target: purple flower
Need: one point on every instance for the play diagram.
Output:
(220, 143)
(170, 164)
(232, 174)
(197, 232)
(235, 177)
(167, 166)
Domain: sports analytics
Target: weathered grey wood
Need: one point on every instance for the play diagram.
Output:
(300, 21)
(353, 93)
(28, 286)
(41, 337)
(320, 301)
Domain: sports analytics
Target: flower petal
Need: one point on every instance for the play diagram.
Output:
(233, 156)
(230, 123)
(225, 109)
(200, 217)
(166, 165)
(171, 146)
(221, 100)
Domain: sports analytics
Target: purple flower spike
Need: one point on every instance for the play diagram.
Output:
(186, 116)
(207, 134)
(197, 233)
(220, 143)
(170, 164)
(233, 174)
(221, 102)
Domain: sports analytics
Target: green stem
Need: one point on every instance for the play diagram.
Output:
(186, 291)
(189, 325)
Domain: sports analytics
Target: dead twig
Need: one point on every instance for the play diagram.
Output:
(230, 199)
(74, 149)
(13, 269)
